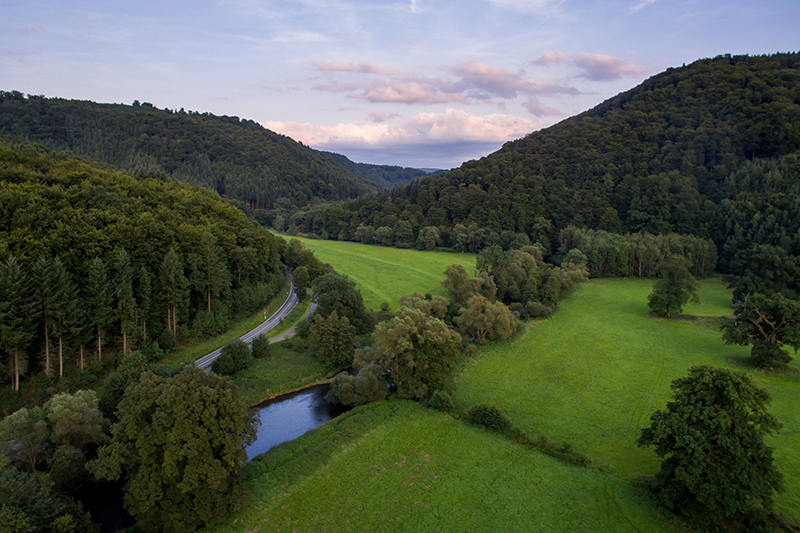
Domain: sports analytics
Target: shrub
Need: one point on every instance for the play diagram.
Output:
(489, 417)
(235, 356)
(441, 401)
(260, 347)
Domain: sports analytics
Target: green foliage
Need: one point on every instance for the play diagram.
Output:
(708, 149)
(764, 269)
(415, 352)
(484, 320)
(715, 465)
(239, 159)
(441, 401)
(63, 220)
(260, 347)
(768, 322)
(331, 340)
(235, 356)
(489, 417)
(24, 435)
(179, 442)
(674, 288)
(357, 390)
(336, 292)
(30, 504)
(17, 309)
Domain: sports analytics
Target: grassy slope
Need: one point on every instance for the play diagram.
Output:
(396, 466)
(383, 274)
(593, 373)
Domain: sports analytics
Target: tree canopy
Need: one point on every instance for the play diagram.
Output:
(179, 443)
(715, 465)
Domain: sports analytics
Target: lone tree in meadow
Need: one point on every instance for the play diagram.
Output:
(715, 466)
(673, 289)
(768, 322)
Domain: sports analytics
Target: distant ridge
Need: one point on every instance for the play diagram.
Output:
(240, 159)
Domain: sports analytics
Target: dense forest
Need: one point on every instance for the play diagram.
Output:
(94, 259)
(709, 149)
(239, 159)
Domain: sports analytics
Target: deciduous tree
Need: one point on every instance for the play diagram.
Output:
(179, 441)
(674, 288)
(715, 465)
(768, 322)
(332, 340)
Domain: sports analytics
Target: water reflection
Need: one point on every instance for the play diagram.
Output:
(287, 417)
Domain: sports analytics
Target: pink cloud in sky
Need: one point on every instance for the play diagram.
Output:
(407, 92)
(549, 58)
(537, 108)
(601, 67)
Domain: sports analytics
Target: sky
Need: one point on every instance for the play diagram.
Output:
(420, 83)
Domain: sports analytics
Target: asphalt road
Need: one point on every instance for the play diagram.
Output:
(267, 325)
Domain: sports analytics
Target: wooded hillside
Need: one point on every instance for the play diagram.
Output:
(239, 159)
(708, 149)
(97, 258)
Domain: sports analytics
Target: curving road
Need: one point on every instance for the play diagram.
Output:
(267, 325)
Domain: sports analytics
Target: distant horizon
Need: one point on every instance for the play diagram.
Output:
(410, 83)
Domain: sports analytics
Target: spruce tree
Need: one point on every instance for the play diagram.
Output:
(99, 292)
(17, 309)
(123, 289)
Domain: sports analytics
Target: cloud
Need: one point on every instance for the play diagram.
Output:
(601, 67)
(535, 6)
(642, 4)
(364, 68)
(500, 82)
(537, 108)
(452, 125)
(407, 92)
(34, 28)
(549, 58)
(382, 116)
(336, 87)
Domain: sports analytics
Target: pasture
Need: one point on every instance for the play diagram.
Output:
(594, 372)
(384, 274)
(591, 376)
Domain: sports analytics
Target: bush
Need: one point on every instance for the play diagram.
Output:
(441, 401)
(235, 356)
(260, 347)
(489, 417)
(357, 390)
(167, 341)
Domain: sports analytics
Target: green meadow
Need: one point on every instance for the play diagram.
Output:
(590, 376)
(594, 372)
(384, 274)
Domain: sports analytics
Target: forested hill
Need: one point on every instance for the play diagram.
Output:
(705, 149)
(237, 158)
(119, 256)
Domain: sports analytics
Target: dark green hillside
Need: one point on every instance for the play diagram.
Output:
(237, 158)
(91, 254)
(382, 176)
(670, 155)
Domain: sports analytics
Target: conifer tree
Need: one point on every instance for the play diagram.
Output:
(17, 309)
(46, 291)
(174, 287)
(123, 289)
(99, 291)
(144, 297)
(64, 307)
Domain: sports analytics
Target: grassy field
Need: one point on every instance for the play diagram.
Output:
(384, 274)
(396, 466)
(591, 375)
(594, 373)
